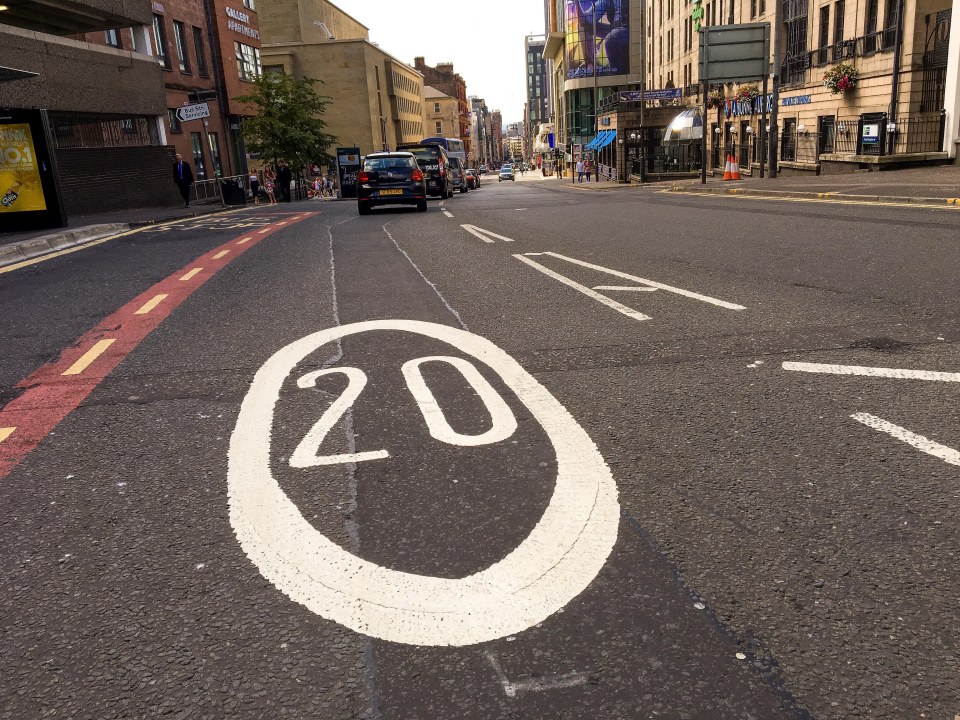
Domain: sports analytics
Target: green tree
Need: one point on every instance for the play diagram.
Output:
(288, 124)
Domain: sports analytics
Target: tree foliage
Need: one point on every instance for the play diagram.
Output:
(288, 124)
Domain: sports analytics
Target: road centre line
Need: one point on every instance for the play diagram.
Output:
(6, 432)
(651, 283)
(446, 212)
(222, 253)
(626, 288)
(89, 357)
(264, 231)
(56, 389)
(244, 241)
(603, 299)
(151, 304)
(190, 275)
(948, 455)
(883, 372)
(482, 234)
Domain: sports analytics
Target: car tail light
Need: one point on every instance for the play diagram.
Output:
(443, 170)
(363, 178)
(417, 176)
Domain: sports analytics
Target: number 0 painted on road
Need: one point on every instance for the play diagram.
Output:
(554, 564)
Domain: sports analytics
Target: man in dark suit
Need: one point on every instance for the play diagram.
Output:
(284, 178)
(183, 178)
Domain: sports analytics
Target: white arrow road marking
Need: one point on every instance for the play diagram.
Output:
(603, 299)
(948, 455)
(626, 288)
(549, 682)
(896, 373)
(651, 283)
(482, 234)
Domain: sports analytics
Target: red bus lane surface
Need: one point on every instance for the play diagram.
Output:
(55, 390)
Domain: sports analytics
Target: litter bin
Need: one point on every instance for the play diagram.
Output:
(233, 193)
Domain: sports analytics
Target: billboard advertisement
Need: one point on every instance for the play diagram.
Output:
(20, 187)
(348, 166)
(598, 38)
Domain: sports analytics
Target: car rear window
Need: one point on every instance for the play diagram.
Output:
(389, 163)
(426, 154)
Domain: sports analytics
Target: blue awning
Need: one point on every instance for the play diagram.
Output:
(590, 145)
(608, 137)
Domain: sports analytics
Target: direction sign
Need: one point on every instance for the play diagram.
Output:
(735, 53)
(193, 112)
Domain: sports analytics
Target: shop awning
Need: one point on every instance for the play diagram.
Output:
(608, 137)
(688, 125)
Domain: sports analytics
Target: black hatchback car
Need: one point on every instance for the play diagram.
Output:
(390, 178)
(435, 164)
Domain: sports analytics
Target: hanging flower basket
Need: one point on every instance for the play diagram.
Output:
(841, 78)
(716, 99)
(746, 93)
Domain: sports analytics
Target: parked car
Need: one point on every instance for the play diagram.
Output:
(473, 179)
(484, 169)
(435, 164)
(390, 178)
(506, 173)
(458, 175)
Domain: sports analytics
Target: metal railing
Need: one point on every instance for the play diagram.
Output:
(211, 191)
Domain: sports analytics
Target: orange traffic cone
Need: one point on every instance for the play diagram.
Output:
(734, 167)
(728, 169)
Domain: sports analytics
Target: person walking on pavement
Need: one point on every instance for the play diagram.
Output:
(284, 178)
(255, 187)
(183, 178)
(587, 168)
(580, 171)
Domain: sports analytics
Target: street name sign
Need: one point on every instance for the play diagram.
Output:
(193, 112)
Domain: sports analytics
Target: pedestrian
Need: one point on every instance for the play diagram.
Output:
(580, 166)
(587, 169)
(183, 178)
(255, 187)
(269, 184)
(284, 178)
(329, 185)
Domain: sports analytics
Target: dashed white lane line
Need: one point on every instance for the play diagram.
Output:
(244, 241)
(947, 454)
(603, 299)
(895, 373)
(446, 212)
(190, 275)
(626, 288)
(6, 432)
(89, 356)
(222, 253)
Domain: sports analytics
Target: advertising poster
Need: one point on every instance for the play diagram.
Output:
(20, 186)
(348, 166)
(606, 52)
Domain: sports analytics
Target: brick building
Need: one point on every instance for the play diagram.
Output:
(443, 78)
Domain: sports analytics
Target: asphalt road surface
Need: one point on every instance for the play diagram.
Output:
(537, 453)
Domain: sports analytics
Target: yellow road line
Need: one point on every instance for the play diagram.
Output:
(282, 222)
(264, 231)
(244, 241)
(151, 304)
(89, 356)
(191, 274)
(6, 432)
(221, 254)
(94, 243)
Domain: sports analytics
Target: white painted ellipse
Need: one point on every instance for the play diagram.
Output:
(554, 564)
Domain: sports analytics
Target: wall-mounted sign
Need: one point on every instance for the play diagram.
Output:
(667, 94)
(239, 22)
(597, 38)
(158, 7)
(871, 133)
(798, 100)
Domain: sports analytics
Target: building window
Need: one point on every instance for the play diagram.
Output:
(824, 34)
(436, 107)
(199, 52)
(160, 38)
(215, 154)
(180, 40)
(439, 128)
(890, 25)
(113, 38)
(248, 61)
(249, 4)
(196, 144)
(173, 121)
(838, 13)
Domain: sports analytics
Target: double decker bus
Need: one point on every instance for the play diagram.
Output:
(453, 147)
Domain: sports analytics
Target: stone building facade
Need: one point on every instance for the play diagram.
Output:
(443, 78)
(441, 113)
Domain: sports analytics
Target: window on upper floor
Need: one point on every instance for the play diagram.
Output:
(160, 39)
(180, 40)
(112, 38)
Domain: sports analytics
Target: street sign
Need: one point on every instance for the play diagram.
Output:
(193, 112)
(735, 53)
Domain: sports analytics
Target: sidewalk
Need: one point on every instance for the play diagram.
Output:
(19, 246)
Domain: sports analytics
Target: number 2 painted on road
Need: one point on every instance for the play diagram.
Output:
(504, 421)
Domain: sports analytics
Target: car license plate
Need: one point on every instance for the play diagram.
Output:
(391, 192)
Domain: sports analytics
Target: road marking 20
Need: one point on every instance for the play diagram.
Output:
(555, 563)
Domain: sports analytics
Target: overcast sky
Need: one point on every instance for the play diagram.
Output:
(483, 40)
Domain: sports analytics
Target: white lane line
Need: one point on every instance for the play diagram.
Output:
(603, 299)
(549, 682)
(482, 234)
(651, 283)
(948, 455)
(896, 373)
(626, 288)
(446, 212)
